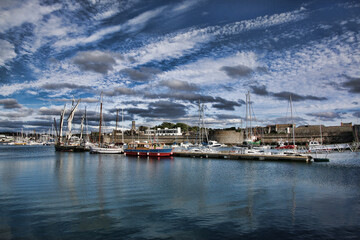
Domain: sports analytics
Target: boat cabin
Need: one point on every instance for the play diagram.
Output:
(146, 145)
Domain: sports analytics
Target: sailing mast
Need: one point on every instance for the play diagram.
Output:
(82, 128)
(100, 119)
(251, 133)
(203, 122)
(321, 139)
(86, 128)
(199, 132)
(292, 121)
(57, 134)
(117, 119)
(122, 126)
(248, 117)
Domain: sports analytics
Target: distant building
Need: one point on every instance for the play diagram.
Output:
(4, 138)
(133, 128)
(279, 128)
(346, 124)
(164, 132)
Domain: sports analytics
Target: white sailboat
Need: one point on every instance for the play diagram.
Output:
(105, 149)
(250, 138)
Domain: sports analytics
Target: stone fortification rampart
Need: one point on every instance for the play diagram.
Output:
(303, 134)
(329, 135)
(227, 136)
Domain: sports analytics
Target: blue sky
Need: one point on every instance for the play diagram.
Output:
(157, 59)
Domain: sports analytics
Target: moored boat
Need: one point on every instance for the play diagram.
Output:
(107, 150)
(61, 147)
(215, 144)
(148, 149)
(69, 145)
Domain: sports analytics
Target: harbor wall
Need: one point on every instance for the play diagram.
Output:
(231, 137)
(303, 134)
(329, 135)
(222, 136)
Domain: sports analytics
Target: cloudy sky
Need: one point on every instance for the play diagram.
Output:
(157, 59)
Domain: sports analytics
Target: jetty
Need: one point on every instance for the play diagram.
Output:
(238, 156)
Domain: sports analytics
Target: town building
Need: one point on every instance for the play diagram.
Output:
(164, 132)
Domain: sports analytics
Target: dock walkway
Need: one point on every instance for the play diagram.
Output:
(237, 156)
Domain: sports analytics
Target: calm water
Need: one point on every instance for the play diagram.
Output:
(50, 195)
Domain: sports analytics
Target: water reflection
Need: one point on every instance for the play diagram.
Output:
(293, 195)
(115, 196)
(250, 175)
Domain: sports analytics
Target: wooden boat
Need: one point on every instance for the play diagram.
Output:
(65, 148)
(107, 150)
(148, 149)
(68, 145)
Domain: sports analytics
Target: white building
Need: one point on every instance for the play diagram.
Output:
(4, 138)
(164, 132)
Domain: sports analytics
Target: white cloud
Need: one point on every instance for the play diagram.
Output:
(21, 12)
(32, 92)
(85, 40)
(132, 25)
(176, 45)
(138, 22)
(316, 64)
(261, 22)
(55, 26)
(7, 52)
(208, 71)
(64, 73)
(107, 13)
(179, 44)
(8, 89)
(170, 46)
(185, 5)
(45, 31)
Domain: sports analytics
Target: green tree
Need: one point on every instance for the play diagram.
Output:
(142, 128)
(165, 125)
(184, 127)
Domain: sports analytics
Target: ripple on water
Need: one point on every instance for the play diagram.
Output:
(48, 195)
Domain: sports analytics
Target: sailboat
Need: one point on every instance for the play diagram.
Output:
(101, 148)
(289, 146)
(250, 139)
(69, 145)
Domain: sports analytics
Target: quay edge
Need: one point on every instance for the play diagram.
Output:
(236, 156)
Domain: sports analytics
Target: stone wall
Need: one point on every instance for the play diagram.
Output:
(330, 135)
(303, 134)
(230, 137)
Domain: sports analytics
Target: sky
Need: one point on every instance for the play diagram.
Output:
(155, 60)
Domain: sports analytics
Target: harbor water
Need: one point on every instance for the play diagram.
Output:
(53, 195)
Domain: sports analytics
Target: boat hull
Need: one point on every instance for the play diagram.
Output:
(70, 148)
(286, 147)
(149, 152)
(102, 150)
(64, 148)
